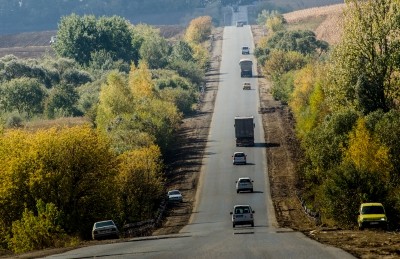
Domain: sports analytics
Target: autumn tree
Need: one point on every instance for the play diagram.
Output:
(199, 29)
(140, 182)
(140, 81)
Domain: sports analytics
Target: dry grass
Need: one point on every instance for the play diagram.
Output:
(58, 123)
(325, 21)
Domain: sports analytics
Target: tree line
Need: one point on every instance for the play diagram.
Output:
(134, 86)
(345, 102)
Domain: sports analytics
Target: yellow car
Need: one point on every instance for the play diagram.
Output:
(372, 215)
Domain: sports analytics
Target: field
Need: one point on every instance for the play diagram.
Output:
(324, 21)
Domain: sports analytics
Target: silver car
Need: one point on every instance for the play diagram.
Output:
(175, 196)
(239, 158)
(105, 229)
(244, 184)
(242, 215)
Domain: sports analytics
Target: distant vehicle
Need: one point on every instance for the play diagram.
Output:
(244, 131)
(246, 86)
(245, 50)
(53, 39)
(242, 215)
(175, 196)
(244, 184)
(246, 68)
(239, 158)
(239, 24)
(105, 229)
(372, 215)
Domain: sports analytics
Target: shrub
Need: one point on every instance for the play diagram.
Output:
(37, 232)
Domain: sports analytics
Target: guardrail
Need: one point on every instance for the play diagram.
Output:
(146, 227)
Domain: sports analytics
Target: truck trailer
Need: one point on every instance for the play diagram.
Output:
(244, 131)
(246, 68)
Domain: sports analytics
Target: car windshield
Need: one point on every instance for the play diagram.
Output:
(372, 210)
(239, 155)
(174, 192)
(104, 224)
(244, 180)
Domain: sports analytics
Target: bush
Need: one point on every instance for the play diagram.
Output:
(37, 232)
(14, 121)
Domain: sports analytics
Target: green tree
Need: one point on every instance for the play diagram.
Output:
(115, 99)
(37, 232)
(302, 41)
(61, 100)
(369, 48)
(24, 95)
(78, 37)
(182, 51)
(155, 52)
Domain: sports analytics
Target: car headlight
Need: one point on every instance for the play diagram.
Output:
(383, 219)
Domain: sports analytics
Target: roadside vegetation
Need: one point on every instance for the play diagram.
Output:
(345, 102)
(133, 87)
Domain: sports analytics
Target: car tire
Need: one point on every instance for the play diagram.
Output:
(252, 224)
(251, 190)
(360, 226)
(233, 224)
(237, 191)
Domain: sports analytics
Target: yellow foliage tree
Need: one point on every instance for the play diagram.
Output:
(72, 168)
(308, 98)
(366, 153)
(140, 182)
(199, 29)
(140, 81)
(115, 99)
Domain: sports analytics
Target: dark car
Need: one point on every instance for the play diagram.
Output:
(105, 229)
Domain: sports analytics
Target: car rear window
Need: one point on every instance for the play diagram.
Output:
(104, 224)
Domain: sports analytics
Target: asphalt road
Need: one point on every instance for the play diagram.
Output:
(209, 233)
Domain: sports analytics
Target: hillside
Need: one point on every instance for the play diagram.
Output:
(325, 21)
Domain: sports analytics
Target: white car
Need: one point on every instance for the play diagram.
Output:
(175, 196)
(245, 50)
(104, 229)
(242, 215)
(239, 158)
(244, 184)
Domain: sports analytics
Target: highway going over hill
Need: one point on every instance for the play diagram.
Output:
(210, 233)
